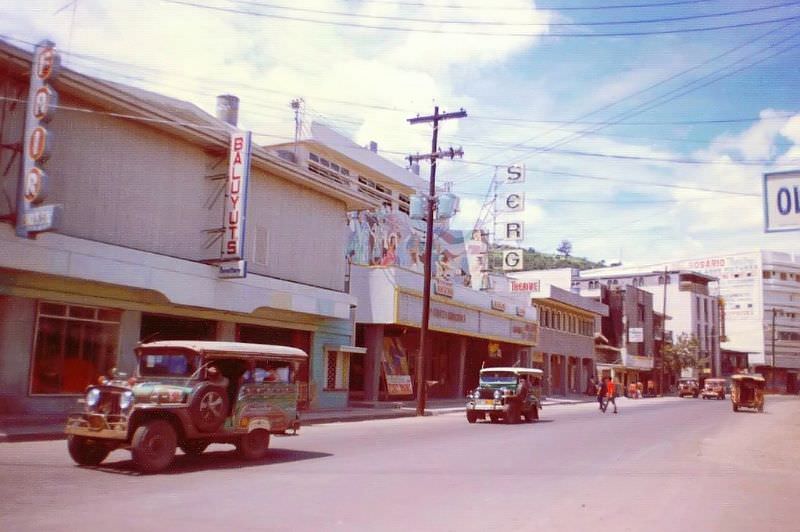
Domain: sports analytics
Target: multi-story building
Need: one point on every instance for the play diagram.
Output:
(142, 188)
(568, 325)
(754, 288)
(684, 296)
(467, 328)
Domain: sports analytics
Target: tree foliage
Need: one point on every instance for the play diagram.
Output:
(565, 248)
(683, 353)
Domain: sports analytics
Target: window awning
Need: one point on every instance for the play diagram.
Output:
(345, 349)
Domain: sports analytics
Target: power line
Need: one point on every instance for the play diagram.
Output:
(483, 7)
(480, 33)
(518, 24)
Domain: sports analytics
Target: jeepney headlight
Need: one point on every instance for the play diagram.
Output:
(498, 394)
(92, 397)
(126, 400)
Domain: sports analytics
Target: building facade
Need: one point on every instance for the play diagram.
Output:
(753, 287)
(141, 183)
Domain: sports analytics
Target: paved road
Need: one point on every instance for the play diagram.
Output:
(659, 464)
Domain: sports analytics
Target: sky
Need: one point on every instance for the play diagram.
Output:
(645, 126)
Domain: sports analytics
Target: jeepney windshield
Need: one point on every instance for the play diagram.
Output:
(498, 377)
(167, 364)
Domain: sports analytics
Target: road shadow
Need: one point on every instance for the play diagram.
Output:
(213, 460)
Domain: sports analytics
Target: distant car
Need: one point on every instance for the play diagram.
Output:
(688, 387)
(713, 389)
(496, 395)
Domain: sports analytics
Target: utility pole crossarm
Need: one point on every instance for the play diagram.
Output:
(436, 117)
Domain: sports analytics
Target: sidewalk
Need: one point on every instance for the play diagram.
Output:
(17, 428)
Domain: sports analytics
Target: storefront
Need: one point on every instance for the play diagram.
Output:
(468, 330)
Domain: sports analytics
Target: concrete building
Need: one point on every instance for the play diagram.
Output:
(751, 285)
(568, 324)
(141, 182)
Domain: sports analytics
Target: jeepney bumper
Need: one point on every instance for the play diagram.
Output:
(487, 405)
(97, 426)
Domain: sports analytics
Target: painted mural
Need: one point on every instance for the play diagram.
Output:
(393, 239)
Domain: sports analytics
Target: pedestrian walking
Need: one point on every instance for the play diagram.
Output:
(611, 392)
(601, 395)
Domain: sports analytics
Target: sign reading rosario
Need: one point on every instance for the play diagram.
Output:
(236, 197)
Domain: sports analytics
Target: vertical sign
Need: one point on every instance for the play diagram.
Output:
(512, 260)
(232, 254)
(32, 217)
(513, 202)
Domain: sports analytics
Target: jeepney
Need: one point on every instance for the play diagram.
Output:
(187, 395)
(713, 389)
(747, 391)
(496, 396)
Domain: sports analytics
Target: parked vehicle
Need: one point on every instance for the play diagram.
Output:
(713, 389)
(747, 391)
(688, 387)
(498, 395)
(189, 394)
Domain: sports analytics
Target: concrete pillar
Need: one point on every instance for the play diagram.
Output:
(582, 378)
(462, 364)
(548, 376)
(130, 328)
(373, 338)
(564, 375)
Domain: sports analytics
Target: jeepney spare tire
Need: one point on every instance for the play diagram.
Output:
(153, 445)
(254, 445)
(84, 452)
(472, 416)
(209, 407)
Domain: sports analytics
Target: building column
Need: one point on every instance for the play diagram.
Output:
(226, 331)
(373, 338)
(548, 376)
(564, 374)
(582, 378)
(462, 364)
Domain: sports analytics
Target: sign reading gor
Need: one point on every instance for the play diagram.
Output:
(236, 197)
(33, 218)
(782, 201)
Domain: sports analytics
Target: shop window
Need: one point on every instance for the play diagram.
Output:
(337, 370)
(74, 345)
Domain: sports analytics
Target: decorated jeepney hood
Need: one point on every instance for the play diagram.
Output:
(161, 392)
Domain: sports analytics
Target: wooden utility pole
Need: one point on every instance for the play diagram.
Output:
(422, 355)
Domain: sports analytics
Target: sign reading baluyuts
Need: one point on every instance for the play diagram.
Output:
(232, 253)
(32, 216)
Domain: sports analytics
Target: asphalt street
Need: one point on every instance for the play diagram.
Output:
(660, 464)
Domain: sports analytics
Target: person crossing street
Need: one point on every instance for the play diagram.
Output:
(610, 394)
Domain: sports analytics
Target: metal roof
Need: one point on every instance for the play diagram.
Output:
(519, 371)
(236, 348)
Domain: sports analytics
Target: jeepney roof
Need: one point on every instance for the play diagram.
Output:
(715, 380)
(228, 348)
(517, 371)
(750, 376)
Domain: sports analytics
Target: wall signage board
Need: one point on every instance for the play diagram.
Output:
(32, 217)
(782, 202)
(635, 335)
(232, 263)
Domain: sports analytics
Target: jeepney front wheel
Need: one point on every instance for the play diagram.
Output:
(254, 445)
(472, 416)
(84, 452)
(153, 446)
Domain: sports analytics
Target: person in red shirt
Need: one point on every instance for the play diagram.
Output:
(611, 392)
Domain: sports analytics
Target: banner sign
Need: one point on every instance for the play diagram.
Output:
(236, 197)
(232, 253)
(33, 181)
(394, 363)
